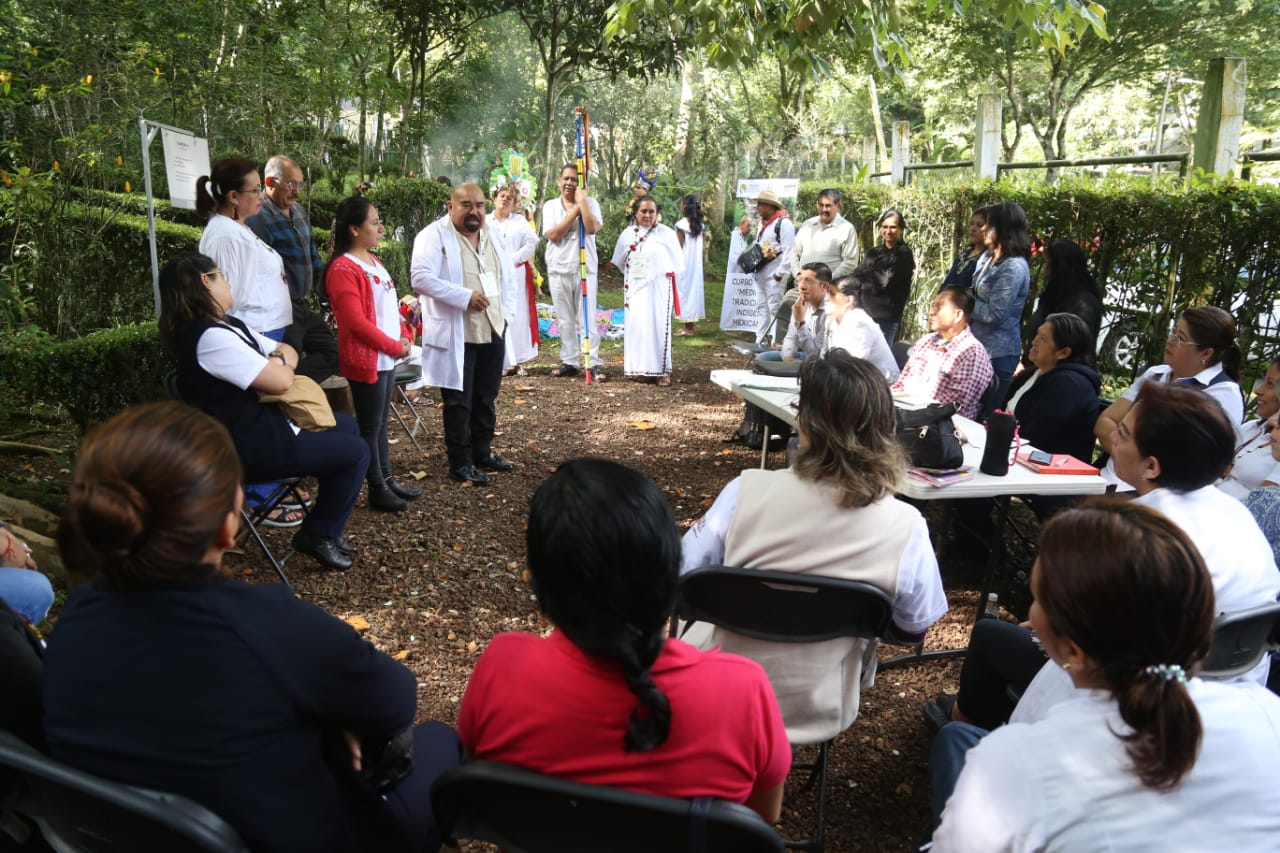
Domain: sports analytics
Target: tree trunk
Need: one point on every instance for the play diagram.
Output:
(879, 123)
(684, 147)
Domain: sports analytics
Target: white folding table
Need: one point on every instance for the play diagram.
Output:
(779, 395)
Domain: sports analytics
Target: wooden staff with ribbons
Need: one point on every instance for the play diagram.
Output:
(582, 151)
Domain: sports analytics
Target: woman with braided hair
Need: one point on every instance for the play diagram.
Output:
(607, 698)
(1145, 756)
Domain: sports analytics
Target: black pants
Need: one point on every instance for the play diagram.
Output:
(372, 401)
(317, 347)
(469, 414)
(338, 459)
(1001, 655)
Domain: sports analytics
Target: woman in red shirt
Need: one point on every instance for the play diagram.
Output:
(370, 339)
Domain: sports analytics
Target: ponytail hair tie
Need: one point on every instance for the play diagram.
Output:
(208, 187)
(1167, 672)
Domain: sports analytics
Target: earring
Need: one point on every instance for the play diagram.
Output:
(1066, 667)
(235, 212)
(1203, 362)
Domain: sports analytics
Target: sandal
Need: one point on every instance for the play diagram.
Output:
(599, 376)
(283, 516)
(565, 371)
(663, 381)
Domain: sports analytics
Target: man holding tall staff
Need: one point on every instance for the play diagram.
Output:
(564, 274)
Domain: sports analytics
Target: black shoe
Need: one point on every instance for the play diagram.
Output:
(385, 500)
(322, 549)
(493, 462)
(400, 490)
(344, 546)
(468, 474)
(938, 712)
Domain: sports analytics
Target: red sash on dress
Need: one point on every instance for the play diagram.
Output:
(531, 293)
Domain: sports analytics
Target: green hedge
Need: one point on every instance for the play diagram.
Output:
(1155, 247)
(92, 377)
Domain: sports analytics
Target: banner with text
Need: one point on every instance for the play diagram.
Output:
(738, 312)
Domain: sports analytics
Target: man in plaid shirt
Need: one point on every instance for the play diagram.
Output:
(949, 364)
(283, 225)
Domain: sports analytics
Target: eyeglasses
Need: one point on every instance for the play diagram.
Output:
(1178, 340)
(256, 190)
(290, 185)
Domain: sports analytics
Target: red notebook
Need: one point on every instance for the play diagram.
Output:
(1061, 463)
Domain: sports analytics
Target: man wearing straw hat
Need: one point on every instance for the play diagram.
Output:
(775, 234)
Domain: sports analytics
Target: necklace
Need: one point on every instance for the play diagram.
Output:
(635, 232)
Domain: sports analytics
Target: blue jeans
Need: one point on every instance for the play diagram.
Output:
(1003, 366)
(27, 592)
(769, 355)
(946, 760)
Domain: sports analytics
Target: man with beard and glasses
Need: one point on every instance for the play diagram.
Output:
(462, 267)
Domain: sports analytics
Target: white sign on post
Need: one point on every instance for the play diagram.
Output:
(186, 158)
(738, 311)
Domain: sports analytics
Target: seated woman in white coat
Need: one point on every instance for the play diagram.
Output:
(842, 520)
(1144, 756)
(652, 262)
(851, 329)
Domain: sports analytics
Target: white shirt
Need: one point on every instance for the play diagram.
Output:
(1235, 552)
(562, 257)
(518, 236)
(1065, 784)
(919, 600)
(858, 334)
(386, 305)
(259, 289)
(223, 353)
(1253, 464)
(1226, 393)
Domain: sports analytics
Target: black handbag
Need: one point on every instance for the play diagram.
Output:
(752, 258)
(929, 436)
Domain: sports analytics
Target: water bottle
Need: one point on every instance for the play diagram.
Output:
(1000, 435)
(992, 610)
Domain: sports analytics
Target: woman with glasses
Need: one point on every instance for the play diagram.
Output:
(259, 286)
(1253, 466)
(1201, 353)
(370, 339)
(227, 197)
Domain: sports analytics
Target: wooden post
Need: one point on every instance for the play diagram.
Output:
(1221, 115)
(869, 154)
(901, 151)
(986, 136)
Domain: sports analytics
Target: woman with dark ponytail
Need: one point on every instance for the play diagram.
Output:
(370, 339)
(1146, 756)
(606, 698)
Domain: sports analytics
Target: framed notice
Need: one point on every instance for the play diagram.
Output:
(186, 158)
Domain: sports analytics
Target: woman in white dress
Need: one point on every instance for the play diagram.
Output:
(690, 231)
(521, 241)
(651, 261)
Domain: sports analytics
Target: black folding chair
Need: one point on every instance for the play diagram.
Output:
(76, 811)
(285, 491)
(784, 607)
(526, 812)
(1241, 639)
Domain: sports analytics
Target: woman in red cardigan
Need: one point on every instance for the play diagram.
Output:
(370, 339)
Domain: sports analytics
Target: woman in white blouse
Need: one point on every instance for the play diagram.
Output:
(851, 329)
(1144, 756)
(1253, 466)
(228, 196)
